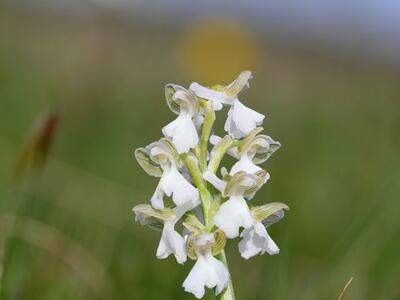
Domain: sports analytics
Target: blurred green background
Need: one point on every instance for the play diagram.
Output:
(69, 233)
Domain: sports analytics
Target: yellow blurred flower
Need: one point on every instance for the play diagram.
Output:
(213, 50)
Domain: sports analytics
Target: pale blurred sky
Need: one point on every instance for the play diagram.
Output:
(370, 27)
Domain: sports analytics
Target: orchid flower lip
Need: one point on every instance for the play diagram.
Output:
(171, 243)
(173, 184)
(232, 215)
(183, 131)
(207, 271)
(256, 240)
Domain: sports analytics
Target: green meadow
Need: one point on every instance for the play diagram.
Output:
(67, 230)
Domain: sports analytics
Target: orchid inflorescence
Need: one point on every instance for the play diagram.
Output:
(212, 209)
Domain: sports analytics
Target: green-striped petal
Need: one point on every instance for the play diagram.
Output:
(266, 211)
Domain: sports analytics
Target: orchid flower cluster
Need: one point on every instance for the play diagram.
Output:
(212, 208)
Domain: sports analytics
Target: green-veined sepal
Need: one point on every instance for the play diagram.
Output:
(157, 154)
(271, 211)
(263, 146)
(170, 90)
(239, 84)
(190, 250)
(178, 99)
(261, 177)
(246, 142)
(144, 159)
(164, 150)
(220, 242)
(240, 182)
(217, 246)
(146, 215)
(259, 146)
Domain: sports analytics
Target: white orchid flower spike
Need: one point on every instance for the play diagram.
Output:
(182, 131)
(212, 208)
(241, 119)
(256, 240)
(208, 271)
(171, 241)
(161, 159)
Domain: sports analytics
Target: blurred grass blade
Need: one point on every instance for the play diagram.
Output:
(345, 288)
(69, 251)
(35, 150)
(2, 249)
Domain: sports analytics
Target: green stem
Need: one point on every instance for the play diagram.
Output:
(228, 293)
(206, 198)
(209, 118)
(216, 157)
(196, 168)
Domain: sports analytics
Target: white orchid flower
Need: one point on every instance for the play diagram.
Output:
(171, 242)
(241, 119)
(256, 240)
(182, 131)
(254, 149)
(207, 271)
(161, 159)
(234, 213)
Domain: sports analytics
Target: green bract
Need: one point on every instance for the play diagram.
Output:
(194, 225)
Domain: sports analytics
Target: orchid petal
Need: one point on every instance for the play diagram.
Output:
(171, 243)
(217, 97)
(183, 133)
(230, 126)
(256, 240)
(207, 271)
(173, 184)
(214, 180)
(244, 164)
(241, 120)
(232, 215)
(157, 198)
